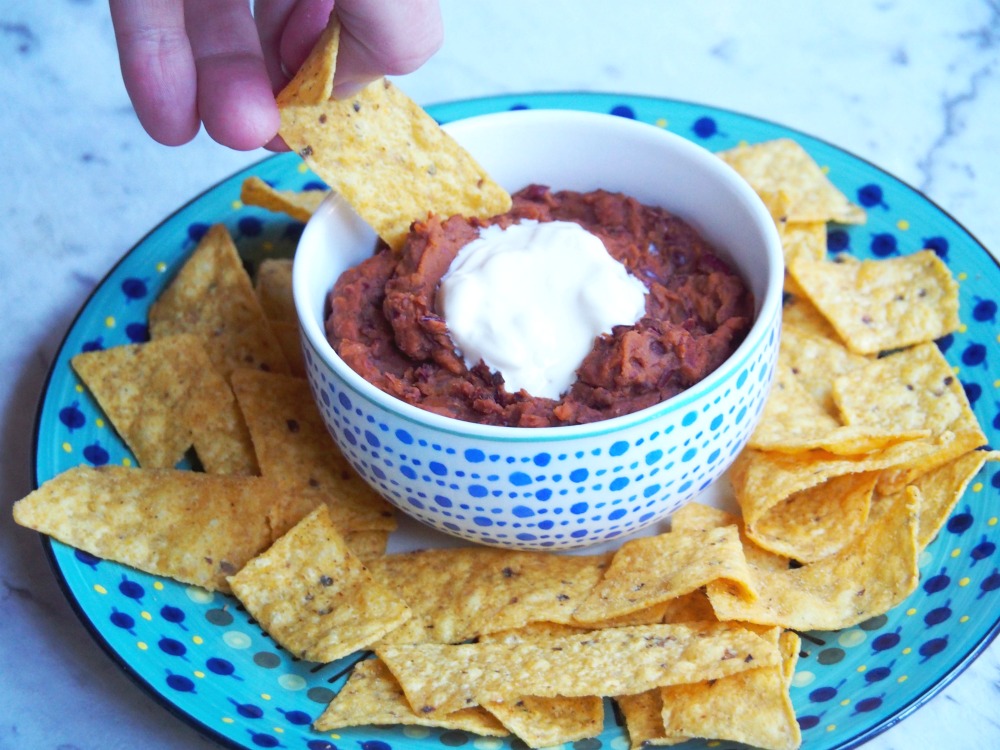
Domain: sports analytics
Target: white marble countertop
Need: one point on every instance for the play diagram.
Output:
(913, 87)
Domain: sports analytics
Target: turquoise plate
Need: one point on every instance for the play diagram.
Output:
(205, 659)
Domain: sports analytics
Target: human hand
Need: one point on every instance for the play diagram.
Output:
(188, 62)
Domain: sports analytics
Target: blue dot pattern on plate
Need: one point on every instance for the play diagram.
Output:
(201, 654)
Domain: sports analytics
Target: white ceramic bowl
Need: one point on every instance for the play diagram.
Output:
(556, 487)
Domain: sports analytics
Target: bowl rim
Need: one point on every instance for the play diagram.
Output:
(767, 319)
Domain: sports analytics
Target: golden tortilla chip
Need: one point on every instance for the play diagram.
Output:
(881, 305)
(752, 707)
(390, 161)
(273, 285)
(912, 390)
(817, 522)
(212, 296)
(378, 149)
(793, 421)
(296, 451)
(783, 165)
(799, 312)
(816, 360)
(163, 397)
(465, 592)
(548, 722)
(868, 577)
(299, 204)
(193, 527)
(290, 339)
(367, 545)
(312, 84)
(655, 569)
(693, 607)
(942, 488)
(803, 239)
(313, 596)
(614, 661)
(643, 715)
(373, 696)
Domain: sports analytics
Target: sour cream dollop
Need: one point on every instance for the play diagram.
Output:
(529, 300)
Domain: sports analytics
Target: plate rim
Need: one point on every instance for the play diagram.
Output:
(863, 736)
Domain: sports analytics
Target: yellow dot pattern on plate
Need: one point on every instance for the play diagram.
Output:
(197, 640)
(977, 487)
(146, 616)
(485, 743)
(237, 205)
(161, 267)
(963, 619)
(198, 595)
(962, 276)
(902, 225)
(963, 581)
(907, 651)
(67, 447)
(661, 123)
(303, 168)
(141, 645)
(831, 728)
(109, 321)
(416, 733)
(911, 611)
(992, 521)
(199, 674)
(100, 589)
(265, 696)
(619, 743)
(99, 422)
(956, 552)
(902, 678)
(862, 668)
(278, 730)
(78, 388)
(158, 585)
(845, 702)
(126, 461)
(227, 720)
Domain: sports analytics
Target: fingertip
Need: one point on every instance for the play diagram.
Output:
(237, 105)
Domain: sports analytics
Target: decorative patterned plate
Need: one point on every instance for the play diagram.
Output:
(206, 660)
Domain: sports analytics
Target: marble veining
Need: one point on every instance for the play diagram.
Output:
(912, 87)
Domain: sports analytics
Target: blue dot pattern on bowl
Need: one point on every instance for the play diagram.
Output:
(513, 494)
(234, 684)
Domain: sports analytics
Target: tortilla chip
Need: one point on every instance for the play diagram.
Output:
(803, 239)
(299, 204)
(881, 305)
(141, 389)
(868, 577)
(644, 720)
(817, 522)
(388, 158)
(784, 165)
(193, 527)
(465, 592)
(942, 488)
(163, 397)
(752, 707)
(313, 596)
(289, 338)
(273, 285)
(390, 161)
(655, 569)
(615, 661)
(313, 82)
(212, 297)
(547, 722)
(816, 360)
(915, 389)
(373, 696)
(793, 421)
(693, 607)
(367, 545)
(798, 311)
(296, 451)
